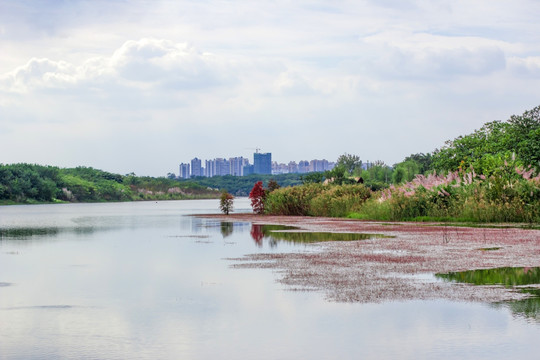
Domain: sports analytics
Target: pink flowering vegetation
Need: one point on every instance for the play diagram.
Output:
(510, 194)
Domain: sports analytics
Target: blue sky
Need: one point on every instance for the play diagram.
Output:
(140, 86)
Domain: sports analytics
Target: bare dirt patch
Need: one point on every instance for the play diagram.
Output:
(399, 267)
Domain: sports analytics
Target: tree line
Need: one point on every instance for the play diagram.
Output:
(30, 183)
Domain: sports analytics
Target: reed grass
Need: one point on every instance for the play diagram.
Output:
(509, 195)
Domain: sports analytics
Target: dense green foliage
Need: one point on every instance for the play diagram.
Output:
(486, 149)
(491, 175)
(316, 200)
(27, 183)
(511, 194)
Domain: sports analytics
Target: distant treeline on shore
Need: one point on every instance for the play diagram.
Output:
(29, 183)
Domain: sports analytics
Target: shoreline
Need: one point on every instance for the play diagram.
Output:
(398, 268)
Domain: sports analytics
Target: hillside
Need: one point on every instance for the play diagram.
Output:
(28, 183)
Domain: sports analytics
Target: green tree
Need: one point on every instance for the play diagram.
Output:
(406, 171)
(349, 162)
(517, 138)
(338, 175)
(313, 178)
(424, 160)
(273, 185)
(226, 202)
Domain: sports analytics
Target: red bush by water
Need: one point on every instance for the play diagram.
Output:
(257, 196)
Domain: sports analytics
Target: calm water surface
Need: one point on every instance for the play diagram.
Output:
(144, 281)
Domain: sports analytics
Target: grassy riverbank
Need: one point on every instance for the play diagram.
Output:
(510, 194)
(491, 175)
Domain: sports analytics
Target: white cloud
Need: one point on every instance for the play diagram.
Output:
(431, 57)
(149, 61)
(38, 73)
(526, 67)
(381, 79)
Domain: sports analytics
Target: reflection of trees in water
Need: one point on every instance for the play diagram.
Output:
(509, 277)
(257, 234)
(226, 228)
(291, 234)
(25, 233)
(42, 232)
(526, 308)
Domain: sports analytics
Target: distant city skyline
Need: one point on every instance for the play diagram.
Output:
(240, 166)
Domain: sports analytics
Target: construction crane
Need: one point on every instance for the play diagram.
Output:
(257, 149)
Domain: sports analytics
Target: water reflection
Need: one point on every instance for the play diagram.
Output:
(143, 286)
(41, 232)
(226, 229)
(26, 233)
(511, 277)
(291, 234)
(506, 276)
(527, 308)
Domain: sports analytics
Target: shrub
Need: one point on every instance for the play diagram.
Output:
(257, 196)
(226, 202)
(292, 200)
(317, 200)
(339, 201)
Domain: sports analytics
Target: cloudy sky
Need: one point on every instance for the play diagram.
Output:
(142, 85)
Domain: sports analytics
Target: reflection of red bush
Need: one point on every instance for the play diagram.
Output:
(257, 234)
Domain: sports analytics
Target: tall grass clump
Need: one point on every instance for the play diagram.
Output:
(316, 200)
(339, 201)
(508, 194)
(293, 200)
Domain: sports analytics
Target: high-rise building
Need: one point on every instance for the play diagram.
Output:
(196, 169)
(248, 169)
(262, 163)
(218, 167)
(318, 165)
(237, 166)
(279, 168)
(210, 168)
(223, 167)
(303, 166)
(184, 171)
(293, 167)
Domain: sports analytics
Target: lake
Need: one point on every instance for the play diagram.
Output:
(144, 280)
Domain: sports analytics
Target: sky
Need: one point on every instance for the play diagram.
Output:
(143, 85)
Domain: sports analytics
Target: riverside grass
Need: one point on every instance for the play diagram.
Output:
(316, 200)
(511, 194)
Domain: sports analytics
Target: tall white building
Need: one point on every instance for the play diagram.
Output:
(196, 168)
(184, 171)
(237, 166)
